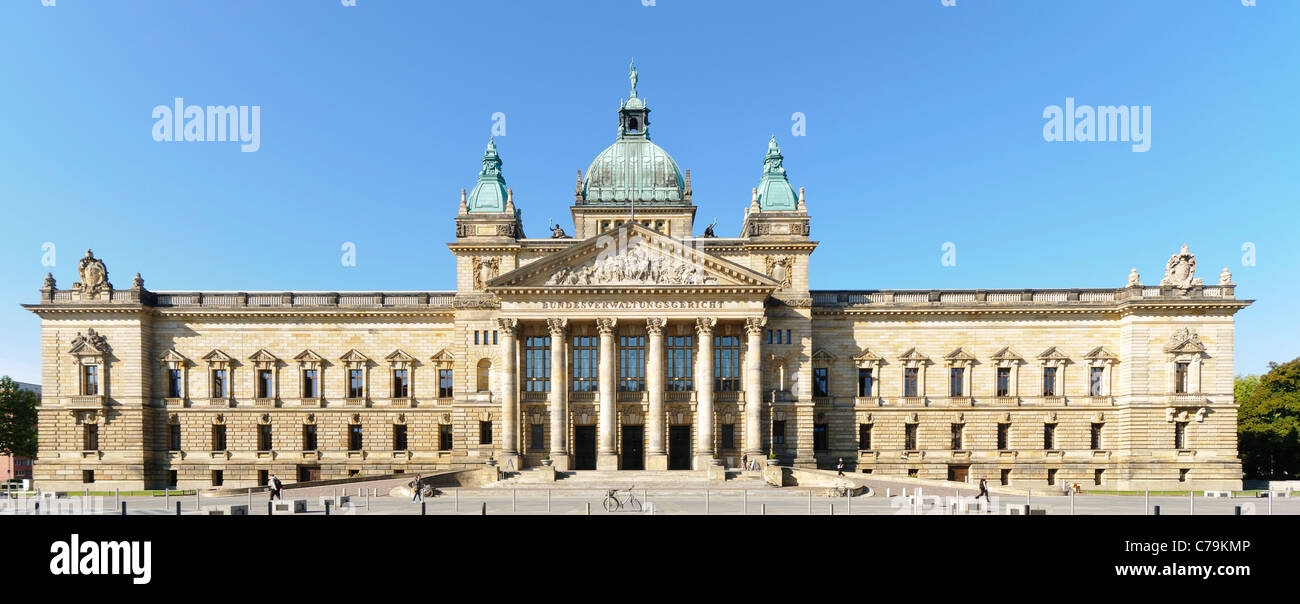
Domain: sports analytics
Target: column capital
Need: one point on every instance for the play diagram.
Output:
(654, 326)
(754, 325)
(508, 325)
(704, 325)
(606, 325)
(557, 327)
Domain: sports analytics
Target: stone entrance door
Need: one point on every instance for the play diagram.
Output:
(958, 473)
(308, 473)
(584, 447)
(633, 451)
(679, 447)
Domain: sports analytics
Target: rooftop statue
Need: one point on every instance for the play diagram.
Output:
(1180, 271)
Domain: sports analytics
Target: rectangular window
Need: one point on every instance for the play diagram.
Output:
(399, 437)
(1182, 475)
(445, 383)
(485, 433)
(820, 385)
(401, 383)
(1180, 378)
(1004, 433)
(1051, 476)
(494, 338)
(909, 381)
(90, 437)
(956, 377)
(864, 382)
(310, 384)
(265, 383)
(356, 383)
(174, 437)
(1049, 381)
(678, 370)
(264, 437)
(726, 364)
(1049, 437)
(631, 363)
(263, 477)
(769, 336)
(864, 437)
(586, 363)
(1004, 381)
(88, 476)
(537, 437)
(1096, 376)
(537, 364)
(787, 336)
(957, 443)
(444, 437)
(476, 337)
(172, 478)
(174, 389)
(778, 432)
(728, 440)
(219, 383)
(1096, 477)
(219, 438)
(1006, 477)
(1096, 436)
(218, 478)
(309, 437)
(90, 380)
(1180, 435)
(354, 437)
(909, 437)
(820, 442)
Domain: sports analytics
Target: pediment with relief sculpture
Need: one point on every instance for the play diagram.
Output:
(632, 256)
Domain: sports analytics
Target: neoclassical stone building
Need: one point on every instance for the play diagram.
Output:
(637, 343)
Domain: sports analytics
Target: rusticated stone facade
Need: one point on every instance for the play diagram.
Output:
(639, 345)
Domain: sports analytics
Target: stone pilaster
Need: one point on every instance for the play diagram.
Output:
(606, 456)
(509, 395)
(754, 387)
(704, 393)
(559, 329)
(657, 455)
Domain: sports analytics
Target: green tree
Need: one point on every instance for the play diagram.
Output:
(1268, 422)
(17, 419)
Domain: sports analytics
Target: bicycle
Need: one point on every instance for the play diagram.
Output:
(613, 503)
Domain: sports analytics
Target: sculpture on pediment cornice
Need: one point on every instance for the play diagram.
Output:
(1185, 340)
(557, 231)
(1180, 271)
(1134, 280)
(1225, 277)
(93, 274)
(90, 339)
(638, 265)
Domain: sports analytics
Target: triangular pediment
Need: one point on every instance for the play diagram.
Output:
(631, 256)
(217, 356)
(308, 356)
(1053, 354)
(1185, 341)
(868, 357)
(262, 356)
(88, 344)
(399, 356)
(171, 356)
(1007, 354)
(1099, 354)
(821, 356)
(443, 356)
(959, 355)
(913, 354)
(353, 356)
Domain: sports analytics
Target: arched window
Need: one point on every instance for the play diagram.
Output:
(484, 375)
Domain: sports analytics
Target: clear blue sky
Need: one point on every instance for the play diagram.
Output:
(924, 126)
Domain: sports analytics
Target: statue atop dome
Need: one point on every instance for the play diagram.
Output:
(631, 76)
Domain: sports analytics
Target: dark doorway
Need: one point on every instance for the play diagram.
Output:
(308, 473)
(633, 451)
(679, 447)
(958, 473)
(584, 447)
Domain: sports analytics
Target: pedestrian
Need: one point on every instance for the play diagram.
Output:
(839, 467)
(275, 486)
(416, 488)
(984, 491)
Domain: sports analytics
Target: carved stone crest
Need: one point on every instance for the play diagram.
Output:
(1180, 271)
(779, 268)
(1184, 340)
(93, 274)
(92, 340)
(485, 269)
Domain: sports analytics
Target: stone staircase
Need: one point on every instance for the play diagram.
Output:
(598, 479)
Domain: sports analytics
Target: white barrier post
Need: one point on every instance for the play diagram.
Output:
(1191, 503)
(1147, 503)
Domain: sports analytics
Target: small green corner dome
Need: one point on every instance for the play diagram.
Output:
(775, 194)
(633, 168)
(489, 194)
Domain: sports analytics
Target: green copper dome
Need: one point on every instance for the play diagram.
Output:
(489, 194)
(774, 191)
(633, 168)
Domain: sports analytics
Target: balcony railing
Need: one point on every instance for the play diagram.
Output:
(1094, 296)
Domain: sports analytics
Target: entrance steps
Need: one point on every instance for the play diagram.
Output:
(641, 479)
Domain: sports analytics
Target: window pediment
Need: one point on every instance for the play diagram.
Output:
(89, 344)
(173, 360)
(1185, 341)
(399, 359)
(264, 360)
(1053, 356)
(959, 358)
(308, 358)
(913, 357)
(1007, 357)
(354, 359)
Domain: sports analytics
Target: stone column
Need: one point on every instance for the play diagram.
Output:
(754, 387)
(509, 396)
(657, 455)
(559, 329)
(606, 456)
(704, 393)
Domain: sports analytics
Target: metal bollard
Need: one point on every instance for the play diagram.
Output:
(1236, 511)
(178, 508)
(483, 510)
(588, 508)
(810, 502)
(456, 509)
(269, 507)
(762, 509)
(1191, 503)
(548, 501)
(167, 497)
(327, 505)
(514, 500)
(1155, 510)
(123, 504)
(421, 507)
(706, 502)
(1147, 503)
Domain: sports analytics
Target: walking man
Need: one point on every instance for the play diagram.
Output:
(416, 490)
(275, 486)
(839, 467)
(984, 491)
